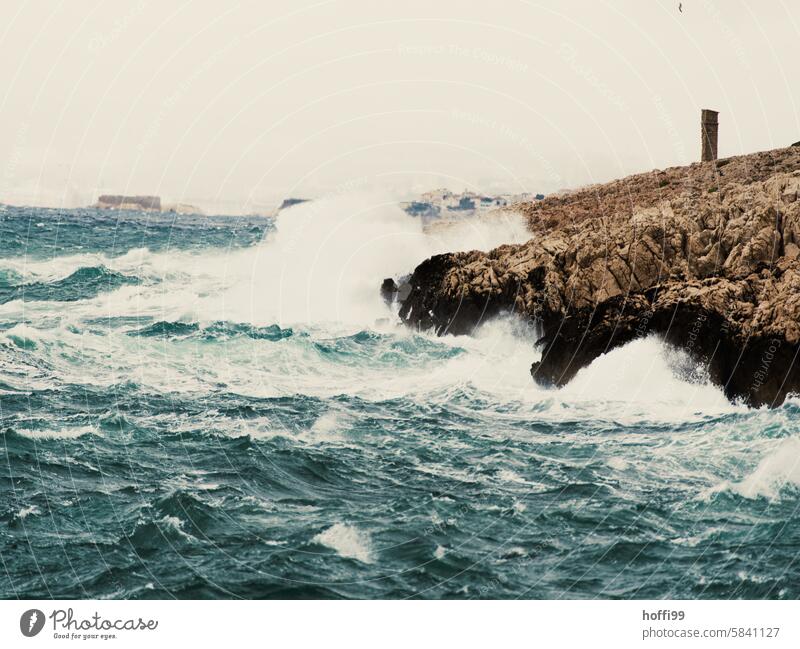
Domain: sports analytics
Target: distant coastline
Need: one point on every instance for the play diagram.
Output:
(431, 206)
(143, 203)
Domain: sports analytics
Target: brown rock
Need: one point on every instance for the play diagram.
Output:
(706, 256)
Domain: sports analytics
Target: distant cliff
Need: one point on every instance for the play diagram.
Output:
(706, 256)
(182, 208)
(143, 203)
(120, 202)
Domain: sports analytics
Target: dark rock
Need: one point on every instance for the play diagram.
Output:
(388, 290)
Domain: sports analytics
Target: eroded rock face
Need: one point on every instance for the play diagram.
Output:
(707, 256)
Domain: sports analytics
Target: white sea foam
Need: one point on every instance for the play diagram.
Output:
(641, 381)
(174, 524)
(60, 433)
(31, 510)
(514, 552)
(325, 259)
(479, 233)
(777, 470)
(617, 463)
(348, 541)
(327, 428)
(21, 333)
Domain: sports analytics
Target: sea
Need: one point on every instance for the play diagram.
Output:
(225, 407)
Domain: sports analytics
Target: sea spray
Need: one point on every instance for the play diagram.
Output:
(325, 259)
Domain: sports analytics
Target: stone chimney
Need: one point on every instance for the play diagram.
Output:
(709, 127)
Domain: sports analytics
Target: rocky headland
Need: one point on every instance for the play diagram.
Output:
(705, 256)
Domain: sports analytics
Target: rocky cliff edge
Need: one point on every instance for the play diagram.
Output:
(705, 256)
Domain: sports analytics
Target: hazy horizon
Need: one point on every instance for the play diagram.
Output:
(242, 106)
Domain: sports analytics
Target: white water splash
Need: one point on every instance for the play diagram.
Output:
(327, 258)
(642, 381)
(779, 469)
(348, 541)
(60, 433)
(31, 510)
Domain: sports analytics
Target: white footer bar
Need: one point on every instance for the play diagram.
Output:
(380, 624)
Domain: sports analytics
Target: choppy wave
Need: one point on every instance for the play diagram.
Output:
(212, 408)
(86, 282)
(347, 541)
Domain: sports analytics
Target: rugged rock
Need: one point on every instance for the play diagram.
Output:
(706, 256)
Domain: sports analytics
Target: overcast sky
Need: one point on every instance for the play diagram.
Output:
(243, 103)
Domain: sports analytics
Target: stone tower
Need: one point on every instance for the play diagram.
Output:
(709, 128)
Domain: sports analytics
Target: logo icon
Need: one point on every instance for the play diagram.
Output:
(31, 622)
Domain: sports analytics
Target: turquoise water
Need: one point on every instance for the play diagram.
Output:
(223, 407)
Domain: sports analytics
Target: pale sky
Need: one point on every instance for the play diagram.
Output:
(236, 104)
